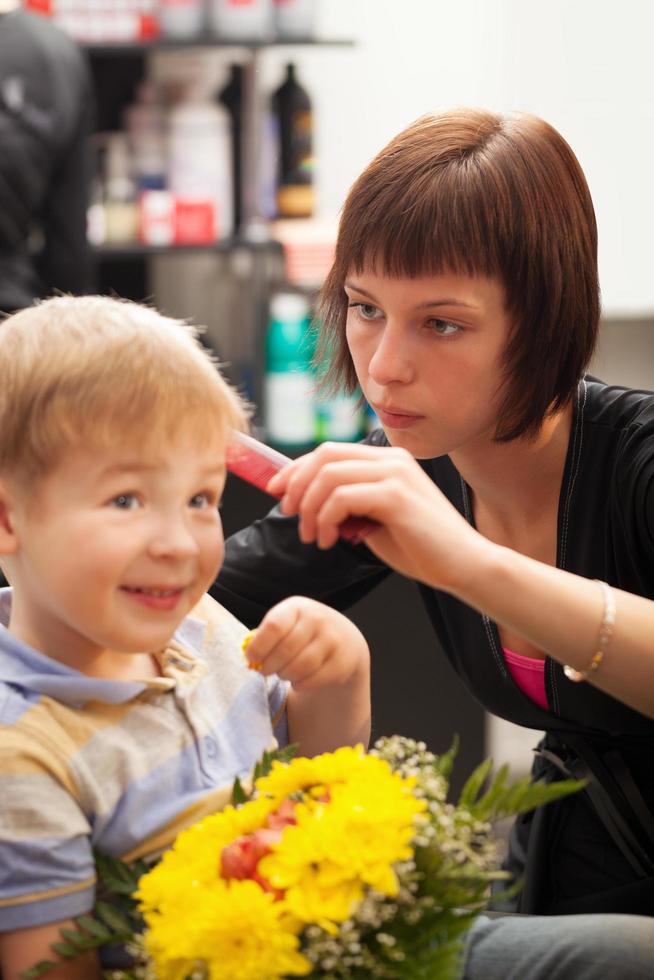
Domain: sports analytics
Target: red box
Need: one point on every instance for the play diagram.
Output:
(195, 221)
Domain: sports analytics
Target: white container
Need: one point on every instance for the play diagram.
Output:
(182, 19)
(119, 197)
(244, 20)
(295, 18)
(199, 156)
(145, 121)
(339, 418)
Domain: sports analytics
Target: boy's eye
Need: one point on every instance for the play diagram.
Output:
(125, 501)
(200, 501)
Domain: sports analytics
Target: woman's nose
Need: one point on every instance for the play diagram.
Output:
(392, 359)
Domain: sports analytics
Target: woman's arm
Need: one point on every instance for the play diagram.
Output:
(561, 614)
(424, 537)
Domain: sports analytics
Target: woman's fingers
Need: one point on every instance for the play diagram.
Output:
(327, 481)
(291, 482)
(379, 500)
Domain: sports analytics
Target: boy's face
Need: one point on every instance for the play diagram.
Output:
(116, 549)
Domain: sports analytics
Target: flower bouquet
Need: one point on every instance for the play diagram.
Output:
(347, 865)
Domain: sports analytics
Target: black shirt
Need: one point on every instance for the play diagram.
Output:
(605, 531)
(45, 121)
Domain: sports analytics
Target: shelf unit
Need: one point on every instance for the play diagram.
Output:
(135, 250)
(208, 41)
(117, 69)
(128, 268)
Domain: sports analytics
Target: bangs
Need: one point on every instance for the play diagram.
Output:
(131, 413)
(436, 222)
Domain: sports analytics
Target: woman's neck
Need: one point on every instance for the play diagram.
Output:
(516, 481)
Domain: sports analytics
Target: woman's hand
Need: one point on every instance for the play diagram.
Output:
(421, 534)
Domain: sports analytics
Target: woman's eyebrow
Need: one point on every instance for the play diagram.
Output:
(429, 304)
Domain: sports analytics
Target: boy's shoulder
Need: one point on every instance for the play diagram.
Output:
(209, 626)
(210, 612)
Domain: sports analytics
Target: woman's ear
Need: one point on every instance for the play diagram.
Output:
(8, 537)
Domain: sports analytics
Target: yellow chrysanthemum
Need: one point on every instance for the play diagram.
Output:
(355, 819)
(194, 859)
(343, 765)
(339, 847)
(235, 928)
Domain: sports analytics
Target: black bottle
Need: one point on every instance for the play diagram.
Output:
(291, 108)
(232, 98)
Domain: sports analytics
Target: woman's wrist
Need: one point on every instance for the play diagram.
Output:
(476, 560)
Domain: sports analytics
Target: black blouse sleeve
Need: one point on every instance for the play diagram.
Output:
(635, 492)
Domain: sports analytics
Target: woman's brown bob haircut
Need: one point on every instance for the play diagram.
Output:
(476, 193)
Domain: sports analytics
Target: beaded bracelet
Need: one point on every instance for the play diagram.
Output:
(603, 639)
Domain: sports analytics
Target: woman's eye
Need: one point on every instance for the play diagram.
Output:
(125, 501)
(444, 328)
(366, 310)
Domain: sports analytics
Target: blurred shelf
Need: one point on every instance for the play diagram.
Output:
(135, 250)
(208, 41)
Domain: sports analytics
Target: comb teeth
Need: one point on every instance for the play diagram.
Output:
(257, 463)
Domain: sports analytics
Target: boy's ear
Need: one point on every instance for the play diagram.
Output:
(8, 537)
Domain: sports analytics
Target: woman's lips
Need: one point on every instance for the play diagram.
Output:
(397, 419)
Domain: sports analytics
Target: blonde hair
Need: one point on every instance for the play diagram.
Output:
(100, 371)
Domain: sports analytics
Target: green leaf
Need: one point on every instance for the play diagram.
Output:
(114, 919)
(92, 926)
(119, 877)
(65, 950)
(504, 800)
(239, 796)
(43, 966)
(445, 763)
(265, 764)
(79, 939)
(474, 782)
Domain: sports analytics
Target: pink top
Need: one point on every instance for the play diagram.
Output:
(529, 675)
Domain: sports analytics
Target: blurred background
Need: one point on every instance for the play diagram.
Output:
(225, 136)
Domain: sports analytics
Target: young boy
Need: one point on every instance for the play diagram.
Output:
(126, 704)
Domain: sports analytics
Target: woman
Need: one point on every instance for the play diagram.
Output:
(464, 300)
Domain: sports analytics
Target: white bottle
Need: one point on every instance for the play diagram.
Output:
(181, 19)
(199, 155)
(145, 121)
(295, 18)
(244, 20)
(120, 210)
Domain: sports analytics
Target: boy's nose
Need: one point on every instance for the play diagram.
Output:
(173, 538)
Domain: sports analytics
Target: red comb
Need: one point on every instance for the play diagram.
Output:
(257, 463)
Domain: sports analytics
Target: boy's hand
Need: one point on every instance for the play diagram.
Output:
(308, 644)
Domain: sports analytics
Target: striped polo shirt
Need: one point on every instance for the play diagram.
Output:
(121, 766)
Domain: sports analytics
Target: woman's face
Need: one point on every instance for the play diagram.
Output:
(427, 353)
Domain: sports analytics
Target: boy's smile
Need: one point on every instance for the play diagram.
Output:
(114, 550)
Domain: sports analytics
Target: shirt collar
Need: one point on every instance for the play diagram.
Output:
(24, 667)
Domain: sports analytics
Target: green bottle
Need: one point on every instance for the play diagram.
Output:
(288, 385)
